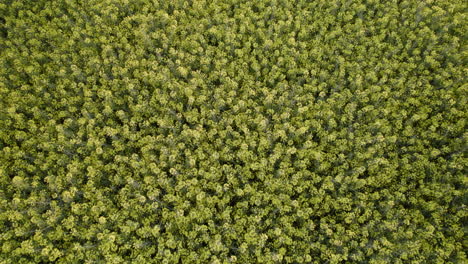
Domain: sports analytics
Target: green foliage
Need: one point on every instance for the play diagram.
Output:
(233, 131)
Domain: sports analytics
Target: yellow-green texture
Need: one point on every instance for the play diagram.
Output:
(230, 131)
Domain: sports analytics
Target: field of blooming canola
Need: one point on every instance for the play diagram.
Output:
(233, 131)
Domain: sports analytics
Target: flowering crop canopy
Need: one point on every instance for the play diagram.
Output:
(230, 131)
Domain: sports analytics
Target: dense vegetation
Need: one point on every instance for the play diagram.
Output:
(271, 131)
